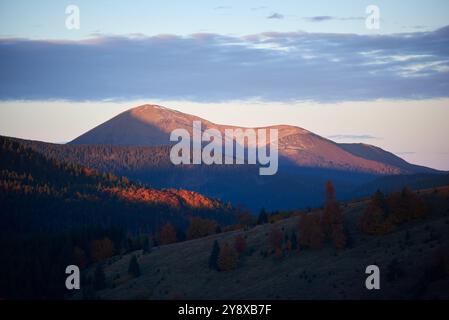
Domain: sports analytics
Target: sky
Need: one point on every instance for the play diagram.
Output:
(314, 64)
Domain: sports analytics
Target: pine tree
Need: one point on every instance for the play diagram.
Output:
(99, 278)
(213, 259)
(263, 217)
(378, 200)
(146, 245)
(294, 241)
(134, 268)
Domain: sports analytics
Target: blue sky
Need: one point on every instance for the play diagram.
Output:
(313, 64)
(44, 19)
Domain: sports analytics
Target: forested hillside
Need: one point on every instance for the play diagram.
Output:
(54, 209)
(291, 188)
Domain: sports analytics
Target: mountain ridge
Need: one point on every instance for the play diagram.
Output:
(150, 125)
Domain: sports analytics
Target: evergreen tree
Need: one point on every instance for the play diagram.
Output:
(180, 235)
(134, 268)
(146, 245)
(294, 241)
(263, 217)
(213, 259)
(378, 200)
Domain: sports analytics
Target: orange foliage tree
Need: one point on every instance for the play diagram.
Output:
(310, 231)
(167, 234)
(373, 221)
(227, 259)
(405, 205)
(240, 244)
(245, 219)
(101, 249)
(275, 238)
(339, 236)
(332, 218)
(201, 227)
(79, 257)
(382, 214)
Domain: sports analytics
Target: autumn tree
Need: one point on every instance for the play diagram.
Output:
(330, 191)
(227, 259)
(332, 214)
(79, 257)
(310, 231)
(245, 219)
(101, 249)
(404, 206)
(372, 221)
(167, 234)
(201, 227)
(240, 244)
(339, 236)
(134, 268)
(382, 213)
(275, 237)
(332, 218)
(213, 258)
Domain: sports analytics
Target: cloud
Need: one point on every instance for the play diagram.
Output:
(404, 153)
(223, 8)
(270, 66)
(319, 18)
(352, 136)
(329, 18)
(275, 16)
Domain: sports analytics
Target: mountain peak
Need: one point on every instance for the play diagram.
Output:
(149, 108)
(151, 125)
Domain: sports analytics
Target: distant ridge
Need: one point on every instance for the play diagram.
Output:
(150, 125)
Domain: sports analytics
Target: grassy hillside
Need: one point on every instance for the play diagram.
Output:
(413, 259)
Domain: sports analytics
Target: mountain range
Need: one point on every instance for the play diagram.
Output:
(113, 192)
(136, 144)
(151, 125)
